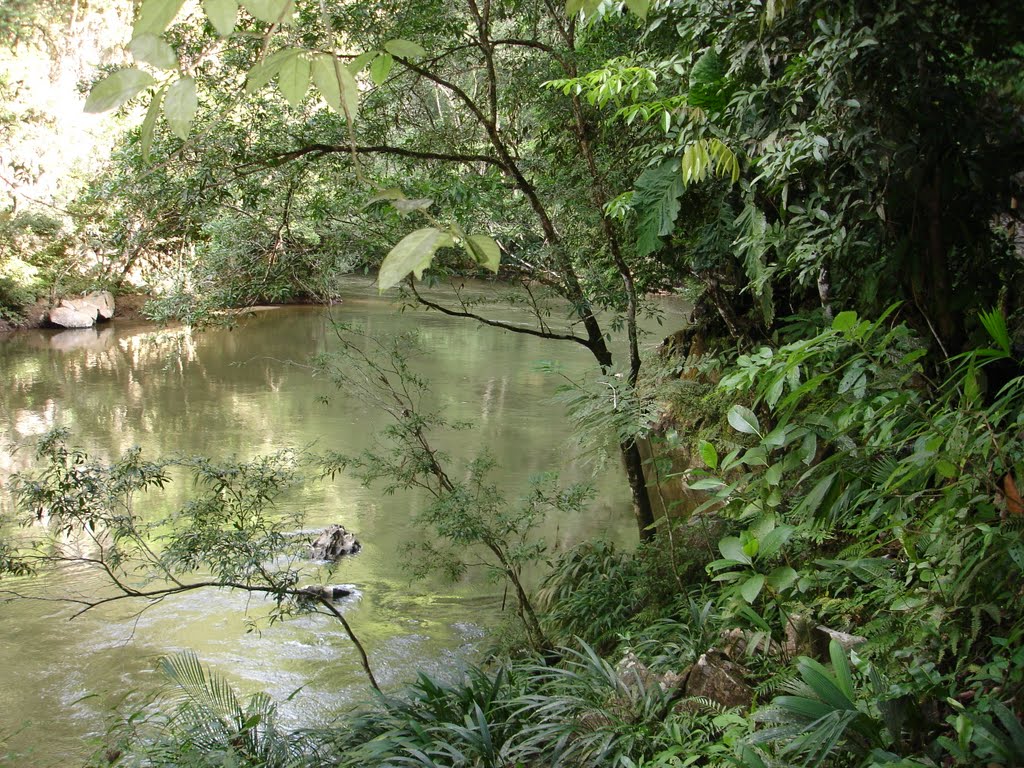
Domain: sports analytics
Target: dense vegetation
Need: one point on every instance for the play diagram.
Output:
(837, 186)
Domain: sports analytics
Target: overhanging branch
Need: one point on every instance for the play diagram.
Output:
(544, 334)
(320, 150)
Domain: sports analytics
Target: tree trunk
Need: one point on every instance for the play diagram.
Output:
(642, 510)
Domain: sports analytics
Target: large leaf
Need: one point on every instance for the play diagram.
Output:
(336, 84)
(293, 79)
(223, 14)
(484, 250)
(381, 68)
(412, 254)
(751, 588)
(707, 81)
(744, 420)
(358, 64)
(732, 549)
(149, 124)
(153, 50)
(709, 454)
(271, 11)
(404, 49)
(180, 106)
(115, 89)
(782, 578)
(155, 16)
(656, 201)
(772, 541)
(264, 71)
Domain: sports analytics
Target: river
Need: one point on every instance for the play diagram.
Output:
(239, 393)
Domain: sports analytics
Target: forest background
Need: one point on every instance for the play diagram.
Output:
(835, 184)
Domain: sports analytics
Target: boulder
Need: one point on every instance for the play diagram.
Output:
(72, 317)
(846, 641)
(326, 592)
(103, 301)
(715, 677)
(635, 674)
(332, 543)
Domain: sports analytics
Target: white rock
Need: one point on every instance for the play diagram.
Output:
(70, 317)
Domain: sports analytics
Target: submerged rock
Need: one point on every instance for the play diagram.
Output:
(328, 592)
(334, 542)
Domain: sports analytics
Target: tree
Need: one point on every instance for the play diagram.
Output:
(226, 537)
(476, 90)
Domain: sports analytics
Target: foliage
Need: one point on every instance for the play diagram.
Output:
(226, 536)
(471, 521)
(204, 723)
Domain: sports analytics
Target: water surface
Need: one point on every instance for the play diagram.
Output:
(239, 393)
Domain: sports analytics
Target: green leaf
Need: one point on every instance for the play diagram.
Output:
(824, 684)
(572, 7)
(639, 7)
(381, 68)
(751, 588)
(810, 503)
(484, 250)
(656, 201)
(772, 541)
(725, 161)
(404, 49)
(263, 72)
(809, 448)
(732, 549)
(155, 16)
(995, 324)
(405, 205)
(706, 484)
(841, 668)
(744, 420)
(222, 14)
(271, 11)
(707, 81)
(149, 124)
(293, 79)
(153, 50)
(180, 106)
(358, 64)
(844, 321)
(117, 88)
(708, 454)
(412, 254)
(782, 578)
(384, 195)
(337, 85)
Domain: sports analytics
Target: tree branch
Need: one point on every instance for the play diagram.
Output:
(319, 150)
(498, 323)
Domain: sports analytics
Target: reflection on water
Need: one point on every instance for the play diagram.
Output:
(238, 393)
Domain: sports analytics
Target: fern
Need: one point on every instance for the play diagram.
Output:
(656, 201)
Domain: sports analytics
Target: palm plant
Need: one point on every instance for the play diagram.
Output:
(210, 726)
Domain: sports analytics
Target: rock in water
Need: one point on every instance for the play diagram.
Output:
(333, 542)
(103, 301)
(327, 593)
(72, 317)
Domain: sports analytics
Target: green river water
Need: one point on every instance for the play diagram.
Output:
(239, 393)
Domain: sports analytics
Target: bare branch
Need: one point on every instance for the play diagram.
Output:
(498, 323)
